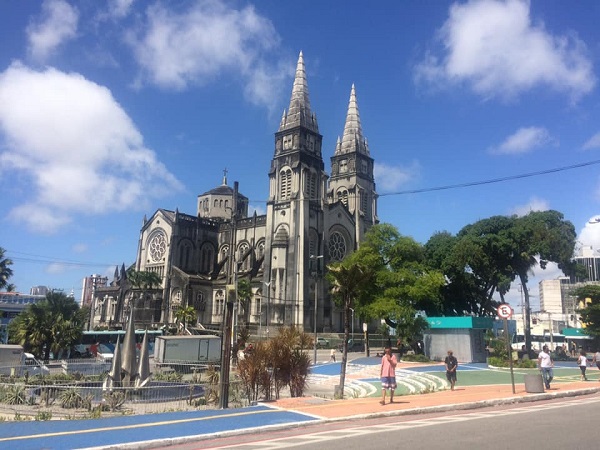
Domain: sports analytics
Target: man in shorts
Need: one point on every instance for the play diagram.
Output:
(388, 374)
(451, 365)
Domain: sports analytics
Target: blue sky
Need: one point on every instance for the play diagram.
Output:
(110, 110)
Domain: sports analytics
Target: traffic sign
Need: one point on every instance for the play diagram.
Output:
(504, 311)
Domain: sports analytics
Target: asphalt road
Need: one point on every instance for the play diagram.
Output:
(557, 424)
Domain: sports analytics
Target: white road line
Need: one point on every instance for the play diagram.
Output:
(330, 435)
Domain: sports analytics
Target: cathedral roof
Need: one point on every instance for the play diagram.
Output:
(299, 113)
(353, 140)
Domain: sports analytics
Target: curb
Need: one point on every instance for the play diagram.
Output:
(405, 412)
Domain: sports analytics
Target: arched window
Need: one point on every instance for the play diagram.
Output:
(207, 258)
(286, 184)
(342, 196)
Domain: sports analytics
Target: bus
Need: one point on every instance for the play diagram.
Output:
(538, 341)
(107, 339)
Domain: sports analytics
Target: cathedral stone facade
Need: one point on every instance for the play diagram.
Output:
(312, 219)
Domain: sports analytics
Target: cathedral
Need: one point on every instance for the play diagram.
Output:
(312, 219)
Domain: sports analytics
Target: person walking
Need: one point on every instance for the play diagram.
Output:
(546, 364)
(451, 365)
(388, 374)
(582, 363)
(332, 355)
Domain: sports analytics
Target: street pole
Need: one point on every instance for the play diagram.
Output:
(316, 272)
(268, 285)
(225, 357)
(316, 302)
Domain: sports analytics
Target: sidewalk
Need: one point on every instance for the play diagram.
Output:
(469, 397)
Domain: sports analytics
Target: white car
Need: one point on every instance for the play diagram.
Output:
(322, 342)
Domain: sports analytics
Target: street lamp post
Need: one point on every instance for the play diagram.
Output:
(268, 285)
(316, 272)
(352, 310)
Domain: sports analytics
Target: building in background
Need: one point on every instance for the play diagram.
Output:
(312, 219)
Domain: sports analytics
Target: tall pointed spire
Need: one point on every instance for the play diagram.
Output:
(299, 113)
(353, 140)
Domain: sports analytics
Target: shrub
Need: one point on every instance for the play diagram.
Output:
(416, 358)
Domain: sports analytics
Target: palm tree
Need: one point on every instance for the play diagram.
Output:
(244, 291)
(51, 325)
(143, 280)
(348, 281)
(5, 271)
(186, 315)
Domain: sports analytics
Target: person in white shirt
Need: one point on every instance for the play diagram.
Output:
(545, 364)
(582, 362)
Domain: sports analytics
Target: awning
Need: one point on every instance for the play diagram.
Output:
(575, 333)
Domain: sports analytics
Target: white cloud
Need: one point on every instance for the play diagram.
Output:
(590, 233)
(534, 204)
(391, 178)
(493, 46)
(524, 140)
(86, 155)
(180, 48)
(593, 142)
(119, 8)
(57, 25)
(80, 248)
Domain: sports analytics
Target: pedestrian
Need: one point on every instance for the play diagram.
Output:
(94, 349)
(332, 355)
(451, 365)
(388, 374)
(596, 359)
(546, 364)
(582, 363)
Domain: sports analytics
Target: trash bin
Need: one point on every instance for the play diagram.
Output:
(534, 384)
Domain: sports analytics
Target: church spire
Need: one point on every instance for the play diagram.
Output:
(353, 140)
(299, 113)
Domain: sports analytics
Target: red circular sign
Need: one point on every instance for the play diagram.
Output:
(504, 311)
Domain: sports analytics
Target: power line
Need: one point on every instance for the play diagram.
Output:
(494, 180)
(50, 260)
(481, 182)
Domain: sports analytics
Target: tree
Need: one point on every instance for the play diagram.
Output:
(244, 292)
(143, 281)
(386, 278)
(349, 280)
(538, 238)
(590, 314)
(476, 265)
(5, 271)
(51, 325)
(186, 315)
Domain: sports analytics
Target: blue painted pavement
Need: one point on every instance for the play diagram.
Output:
(78, 434)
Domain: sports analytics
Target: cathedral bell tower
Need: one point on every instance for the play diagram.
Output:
(352, 181)
(294, 228)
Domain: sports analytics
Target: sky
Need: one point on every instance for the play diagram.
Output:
(111, 110)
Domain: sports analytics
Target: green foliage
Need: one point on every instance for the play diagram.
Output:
(114, 400)
(415, 358)
(5, 271)
(54, 324)
(72, 398)
(590, 314)
(526, 364)
(13, 395)
(186, 316)
(43, 415)
(167, 376)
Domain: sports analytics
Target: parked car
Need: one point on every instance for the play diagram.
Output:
(353, 346)
(322, 342)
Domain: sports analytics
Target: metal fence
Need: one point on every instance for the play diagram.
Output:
(76, 390)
